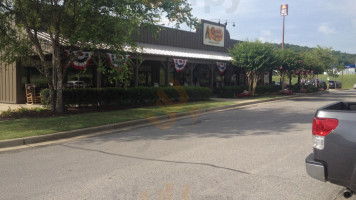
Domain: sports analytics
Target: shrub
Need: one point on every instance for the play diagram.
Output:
(312, 89)
(295, 88)
(267, 89)
(14, 113)
(130, 96)
(233, 91)
(45, 97)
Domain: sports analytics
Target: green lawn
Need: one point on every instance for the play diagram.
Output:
(26, 127)
(348, 81)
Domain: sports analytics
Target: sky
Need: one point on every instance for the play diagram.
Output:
(328, 23)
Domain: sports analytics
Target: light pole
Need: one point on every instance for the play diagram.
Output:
(284, 13)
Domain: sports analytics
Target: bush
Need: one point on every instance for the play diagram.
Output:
(295, 88)
(233, 91)
(129, 96)
(15, 113)
(45, 97)
(267, 89)
(312, 89)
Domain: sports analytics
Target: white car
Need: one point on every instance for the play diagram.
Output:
(355, 86)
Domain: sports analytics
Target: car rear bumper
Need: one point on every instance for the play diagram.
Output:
(314, 168)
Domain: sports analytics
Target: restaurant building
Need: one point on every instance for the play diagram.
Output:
(172, 57)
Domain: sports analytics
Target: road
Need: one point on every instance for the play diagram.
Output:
(255, 152)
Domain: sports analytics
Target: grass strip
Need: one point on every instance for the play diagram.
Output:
(26, 127)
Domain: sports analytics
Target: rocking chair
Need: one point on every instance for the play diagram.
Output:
(31, 95)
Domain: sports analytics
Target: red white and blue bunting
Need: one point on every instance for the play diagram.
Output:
(82, 61)
(221, 67)
(115, 62)
(180, 64)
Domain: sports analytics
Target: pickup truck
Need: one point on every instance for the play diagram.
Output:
(334, 141)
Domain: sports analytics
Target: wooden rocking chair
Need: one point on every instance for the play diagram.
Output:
(31, 95)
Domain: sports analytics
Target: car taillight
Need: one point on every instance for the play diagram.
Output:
(321, 128)
(324, 126)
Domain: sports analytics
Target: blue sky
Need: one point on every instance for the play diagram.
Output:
(328, 23)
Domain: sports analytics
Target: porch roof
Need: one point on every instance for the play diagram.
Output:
(161, 50)
(177, 52)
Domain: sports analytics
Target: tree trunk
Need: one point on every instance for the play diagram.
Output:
(282, 81)
(59, 96)
(315, 81)
(290, 79)
(45, 71)
(249, 80)
(59, 99)
(254, 83)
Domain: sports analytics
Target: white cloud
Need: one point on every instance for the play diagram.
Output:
(326, 30)
(262, 39)
(266, 32)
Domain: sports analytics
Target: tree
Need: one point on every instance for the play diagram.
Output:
(287, 64)
(323, 59)
(255, 57)
(78, 25)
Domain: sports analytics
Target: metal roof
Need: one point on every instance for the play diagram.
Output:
(152, 49)
(161, 50)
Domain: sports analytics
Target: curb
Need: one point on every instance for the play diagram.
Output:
(143, 122)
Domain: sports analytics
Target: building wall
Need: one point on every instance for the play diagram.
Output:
(184, 39)
(9, 83)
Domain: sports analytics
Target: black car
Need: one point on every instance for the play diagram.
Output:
(334, 84)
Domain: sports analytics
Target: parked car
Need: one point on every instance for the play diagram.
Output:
(334, 84)
(320, 82)
(76, 84)
(355, 86)
(334, 141)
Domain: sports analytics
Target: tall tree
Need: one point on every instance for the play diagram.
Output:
(78, 25)
(287, 64)
(255, 57)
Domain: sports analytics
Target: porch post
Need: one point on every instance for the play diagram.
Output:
(166, 75)
(98, 79)
(192, 67)
(212, 67)
(137, 65)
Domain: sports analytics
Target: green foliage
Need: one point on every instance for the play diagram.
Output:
(312, 89)
(120, 74)
(342, 57)
(323, 60)
(233, 91)
(45, 100)
(253, 56)
(287, 59)
(267, 89)
(130, 96)
(21, 112)
(230, 91)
